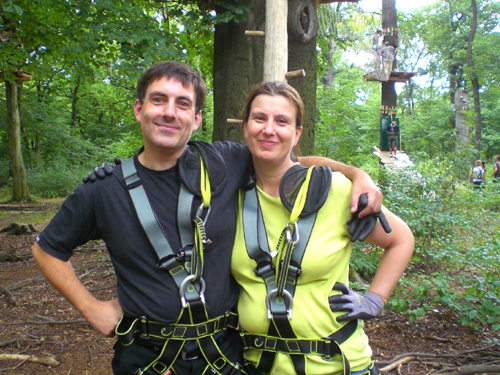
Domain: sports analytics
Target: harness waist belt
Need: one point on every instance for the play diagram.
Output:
(128, 328)
(325, 347)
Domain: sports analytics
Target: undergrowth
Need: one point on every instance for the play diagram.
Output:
(457, 253)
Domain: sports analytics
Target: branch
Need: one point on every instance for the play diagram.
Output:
(47, 361)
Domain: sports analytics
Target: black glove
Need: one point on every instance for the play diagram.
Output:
(359, 229)
(101, 172)
(358, 306)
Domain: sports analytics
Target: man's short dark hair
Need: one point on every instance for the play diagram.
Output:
(171, 69)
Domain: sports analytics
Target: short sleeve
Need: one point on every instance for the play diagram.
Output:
(72, 226)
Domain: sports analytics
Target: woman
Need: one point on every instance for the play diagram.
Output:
(291, 253)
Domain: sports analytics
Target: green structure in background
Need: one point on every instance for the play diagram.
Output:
(384, 138)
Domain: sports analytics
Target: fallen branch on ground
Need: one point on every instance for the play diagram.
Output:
(10, 299)
(29, 322)
(47, 361)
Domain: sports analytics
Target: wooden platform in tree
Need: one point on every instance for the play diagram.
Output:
(401, 160)
(395, 76)
(337, 1)
(21, 75)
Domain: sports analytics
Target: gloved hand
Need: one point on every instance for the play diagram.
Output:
(359, 306)
(101, 172)
(359, 229)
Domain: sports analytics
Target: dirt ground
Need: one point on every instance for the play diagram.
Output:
(35, 321)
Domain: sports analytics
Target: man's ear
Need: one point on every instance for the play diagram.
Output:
(137, 110)
(197, 121)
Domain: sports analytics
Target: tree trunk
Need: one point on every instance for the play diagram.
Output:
(302, 31)
(463, 129)
(390, 32)
(20, 188)
(474, 79)
(239, 64)
(74, 100)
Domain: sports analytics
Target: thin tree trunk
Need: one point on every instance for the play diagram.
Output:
(474, 79)
(74, 100)
(20, 189)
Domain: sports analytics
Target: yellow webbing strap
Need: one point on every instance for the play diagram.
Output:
(205, 184)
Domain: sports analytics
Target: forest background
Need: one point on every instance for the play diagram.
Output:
(86, 57)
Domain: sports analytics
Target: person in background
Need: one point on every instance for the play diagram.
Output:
(477, 175)
(393, 133)
(496, 169)
(291, 254)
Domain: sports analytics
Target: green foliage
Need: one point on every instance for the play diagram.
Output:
(457, 254)
(56, 179)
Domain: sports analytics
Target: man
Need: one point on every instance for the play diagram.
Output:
(496, 169)
(174, 287)
(393, 133)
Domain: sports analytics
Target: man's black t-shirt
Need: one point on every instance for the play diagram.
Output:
(104, 210)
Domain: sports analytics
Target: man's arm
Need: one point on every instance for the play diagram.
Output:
(103, 316)
(361, 183)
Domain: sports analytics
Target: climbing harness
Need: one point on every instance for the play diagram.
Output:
(185, 267)
(303, 191)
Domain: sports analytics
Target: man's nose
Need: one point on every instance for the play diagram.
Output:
(169, 110)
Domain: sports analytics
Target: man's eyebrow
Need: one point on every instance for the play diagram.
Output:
(162, 94)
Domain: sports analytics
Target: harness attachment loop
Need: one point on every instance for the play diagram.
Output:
(182, 288)
(289, 306)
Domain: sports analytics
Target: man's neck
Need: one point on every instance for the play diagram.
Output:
(158, 160)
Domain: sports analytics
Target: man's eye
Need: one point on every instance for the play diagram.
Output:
(184, 104)
(157, 100)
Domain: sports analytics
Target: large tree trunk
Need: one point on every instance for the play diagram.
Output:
(20, 189)
(302, 31)
(239, 64)
(390, 31)
(474, 79)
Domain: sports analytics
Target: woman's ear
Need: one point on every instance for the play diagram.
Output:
(244, 128)
(298, 133)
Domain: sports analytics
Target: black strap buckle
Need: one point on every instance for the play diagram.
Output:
(143, 327)
(165, 263)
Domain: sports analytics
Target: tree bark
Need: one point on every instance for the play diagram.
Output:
(462, 128)
(20, 187)
(474, 79)
(389, 29)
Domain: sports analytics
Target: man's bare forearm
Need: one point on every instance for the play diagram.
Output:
(361, 183)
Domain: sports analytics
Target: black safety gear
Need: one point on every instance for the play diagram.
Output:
(359, 229)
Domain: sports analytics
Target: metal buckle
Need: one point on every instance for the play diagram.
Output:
(286, 294)
(183, 286)
(295, 238)
(184, 356)
(199, 211)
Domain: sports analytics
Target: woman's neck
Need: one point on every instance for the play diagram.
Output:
(268, 175)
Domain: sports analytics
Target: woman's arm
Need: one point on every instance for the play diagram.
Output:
(398, 249)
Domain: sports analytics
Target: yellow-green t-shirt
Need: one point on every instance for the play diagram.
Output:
(325, 262)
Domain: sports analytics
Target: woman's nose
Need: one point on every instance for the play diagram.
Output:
(269, 127)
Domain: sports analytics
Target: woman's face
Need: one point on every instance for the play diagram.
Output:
(271, 130)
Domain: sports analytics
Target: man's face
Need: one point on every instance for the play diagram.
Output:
(168, 116)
